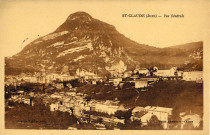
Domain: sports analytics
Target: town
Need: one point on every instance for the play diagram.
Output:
(81, 96)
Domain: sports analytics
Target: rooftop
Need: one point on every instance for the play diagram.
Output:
(138, 109)
(158, 109)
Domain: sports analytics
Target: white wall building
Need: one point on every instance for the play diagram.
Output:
(54, 107)
(116, 81)
(127, 74)
(162, 114)
(193, 76)
(166, 72)
(141, 84)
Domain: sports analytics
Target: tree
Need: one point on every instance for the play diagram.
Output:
(201, 125)
(127, 115)
(151, 70)
(188, 126)
(88, 98)
(128, 85)
(175, 117)
(119, 114)
(99, 120)
(123, 114)
(130, 125)
(154, 123)
(136, 124)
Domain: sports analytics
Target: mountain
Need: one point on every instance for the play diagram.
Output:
(194, 52)
(188, 46)
(85, 43)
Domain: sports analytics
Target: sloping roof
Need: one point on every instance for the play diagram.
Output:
(137, 109)
(139, 114)
(147, 107)
(158, 109)
(152, 108)
(163, 109)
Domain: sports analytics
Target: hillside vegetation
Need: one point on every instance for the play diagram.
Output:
(180, 95)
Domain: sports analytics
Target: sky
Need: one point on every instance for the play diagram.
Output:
(21, 20)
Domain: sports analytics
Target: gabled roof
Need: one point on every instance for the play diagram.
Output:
(147, 107)
(158, 109)
(137, 109)
(163, 109)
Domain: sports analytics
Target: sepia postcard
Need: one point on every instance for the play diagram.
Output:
(104, 67)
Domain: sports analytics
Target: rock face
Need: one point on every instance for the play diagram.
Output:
(83, 42)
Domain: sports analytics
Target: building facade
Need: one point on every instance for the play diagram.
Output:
(193, 76)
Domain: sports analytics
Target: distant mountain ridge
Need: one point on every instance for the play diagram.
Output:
(83, 42)
(188, 46)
